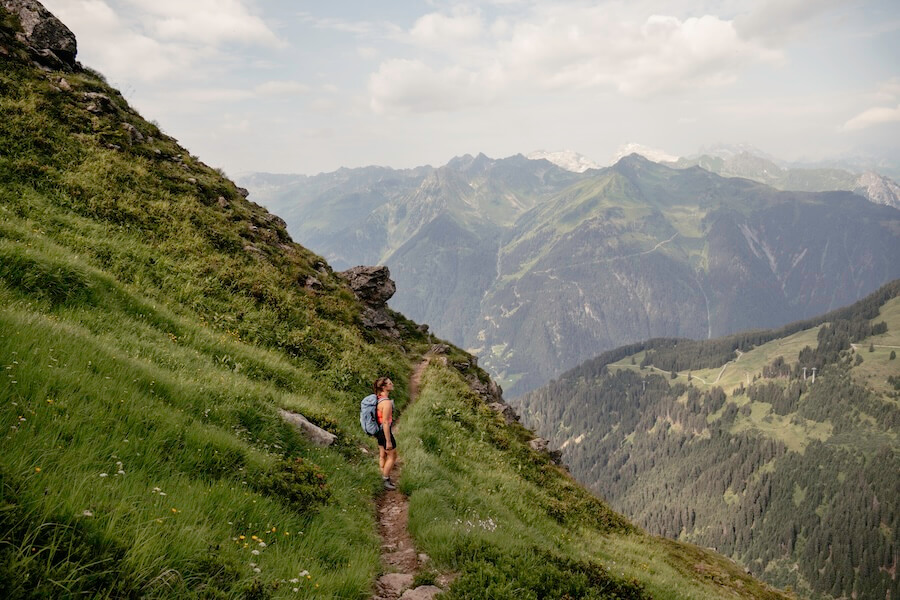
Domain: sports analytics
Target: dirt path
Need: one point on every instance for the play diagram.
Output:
(399, 557)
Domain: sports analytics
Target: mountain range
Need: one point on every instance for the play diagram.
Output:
(535, 268)
(778, 448)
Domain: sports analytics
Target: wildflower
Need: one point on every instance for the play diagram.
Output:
(120, 472)
(242, 537)
(162, 493)
(254, 552)
(295, 580)
(87, 513)
(256, 569)
(37, 469)
(174, 510)
(252, 564)
(253, 537)
(273, 530)
(305, 574)
(156, 490)
(262, 544)
(295, 590)
(103, 475)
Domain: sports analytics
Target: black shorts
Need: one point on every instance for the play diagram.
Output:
(379, 435)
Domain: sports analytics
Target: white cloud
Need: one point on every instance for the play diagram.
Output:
(436, 29)
(879, 115)
(411, 85)
(209, 22)
(155, 39)
(563, 48)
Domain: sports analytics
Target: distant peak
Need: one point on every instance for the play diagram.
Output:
(652, 154)
(565, 159)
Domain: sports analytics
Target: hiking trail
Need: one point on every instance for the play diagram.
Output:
(400, 560)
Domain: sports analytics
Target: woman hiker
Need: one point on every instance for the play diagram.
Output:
(387, 445)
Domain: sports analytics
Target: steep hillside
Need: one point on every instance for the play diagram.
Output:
(778, 448)
(154, 324)
(535, 270)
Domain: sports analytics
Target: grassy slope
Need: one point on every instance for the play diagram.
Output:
(795, 433)
(483, 505)
(152, 321)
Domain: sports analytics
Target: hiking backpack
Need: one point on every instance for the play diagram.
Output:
(367, 418)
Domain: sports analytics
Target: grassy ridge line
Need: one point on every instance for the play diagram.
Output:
(513, 525)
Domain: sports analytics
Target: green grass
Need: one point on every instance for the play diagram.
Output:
(487, 508)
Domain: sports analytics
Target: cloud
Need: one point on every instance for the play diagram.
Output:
(437, 29)
(210, 22)
(155, 39)
(413, 86)
(281, 88)
(774, 21)
(879, 115)
(562, 48)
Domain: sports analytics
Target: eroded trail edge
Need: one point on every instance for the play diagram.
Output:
(399, 557)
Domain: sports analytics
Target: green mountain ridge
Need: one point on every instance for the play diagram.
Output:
(153, 324)
(578, 263)
(779, 448)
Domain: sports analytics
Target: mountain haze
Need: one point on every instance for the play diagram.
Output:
(870, 185)
(534, 268)
(157, 328)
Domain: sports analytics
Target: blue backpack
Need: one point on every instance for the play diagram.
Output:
(367, 418)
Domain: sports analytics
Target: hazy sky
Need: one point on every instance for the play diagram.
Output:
(305, 87)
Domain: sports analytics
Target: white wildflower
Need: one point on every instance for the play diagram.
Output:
(104, 475)
(255, 552)
(257, 570)
(87, 513)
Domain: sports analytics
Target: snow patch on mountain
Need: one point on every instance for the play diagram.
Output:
(565, 159)
(653, 154)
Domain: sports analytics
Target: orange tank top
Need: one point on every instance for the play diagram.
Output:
(378, 411)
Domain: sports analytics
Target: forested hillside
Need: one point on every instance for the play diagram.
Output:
(155, 324)
(778, 448)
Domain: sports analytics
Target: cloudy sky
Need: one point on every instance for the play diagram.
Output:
(306, 87)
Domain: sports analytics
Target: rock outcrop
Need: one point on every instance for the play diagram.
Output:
(313, 433)
(51, 43)
(373, 287)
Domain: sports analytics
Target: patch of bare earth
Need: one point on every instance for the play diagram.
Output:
(400, 560)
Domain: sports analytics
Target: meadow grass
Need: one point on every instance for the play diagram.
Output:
(495, 513)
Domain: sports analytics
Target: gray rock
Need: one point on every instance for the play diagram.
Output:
(98, 103)
(223, 203)
(243, 192)
(505, 410)
(372, 285)
(393, 584)
(52, 43)
(315, 434)
(311, 283)
(439, 349)
(135, 135)
(423, 592)
(539, 444)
